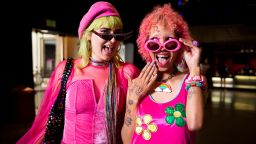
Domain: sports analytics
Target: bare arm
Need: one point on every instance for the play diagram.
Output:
(137, 88)
(195, 106)
(195, 100)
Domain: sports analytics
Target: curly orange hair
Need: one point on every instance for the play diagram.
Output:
(166, 16)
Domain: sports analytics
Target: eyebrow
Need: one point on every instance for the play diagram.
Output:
(109, 29)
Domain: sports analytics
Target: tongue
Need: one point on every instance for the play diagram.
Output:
(162, 61)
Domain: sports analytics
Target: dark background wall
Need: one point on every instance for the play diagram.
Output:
(19, 17)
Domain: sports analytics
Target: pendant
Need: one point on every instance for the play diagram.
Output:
(164, 87)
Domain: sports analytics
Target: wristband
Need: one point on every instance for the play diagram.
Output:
(194, 84)
(195, 81)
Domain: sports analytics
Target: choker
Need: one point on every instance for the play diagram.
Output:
(97, 63)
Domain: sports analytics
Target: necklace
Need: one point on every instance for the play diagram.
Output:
(165, 85)
(97, 63)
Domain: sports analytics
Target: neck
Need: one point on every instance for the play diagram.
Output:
(163, 77)
(98, 63)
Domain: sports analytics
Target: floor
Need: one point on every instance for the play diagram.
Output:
(230, 118)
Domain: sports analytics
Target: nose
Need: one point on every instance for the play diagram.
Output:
(113, 39)
(161, 44)
(162, 47)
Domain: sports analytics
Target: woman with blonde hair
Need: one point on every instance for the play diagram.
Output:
(86, 103)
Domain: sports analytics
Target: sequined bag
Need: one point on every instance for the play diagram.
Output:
(55, 122)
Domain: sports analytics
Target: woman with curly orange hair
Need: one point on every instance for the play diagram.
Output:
(165, 102)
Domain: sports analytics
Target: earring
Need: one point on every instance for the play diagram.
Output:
(182, 66)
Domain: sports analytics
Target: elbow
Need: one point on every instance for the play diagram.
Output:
(122, 135)
(195, 123)
(195, 126)
(125, 137)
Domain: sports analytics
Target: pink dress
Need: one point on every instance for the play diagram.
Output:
(163, 123)
(85, 102)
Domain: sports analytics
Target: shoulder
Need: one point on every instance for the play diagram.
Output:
(59, 69)
(130, 70)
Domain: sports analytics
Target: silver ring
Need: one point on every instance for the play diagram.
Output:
(195, 43)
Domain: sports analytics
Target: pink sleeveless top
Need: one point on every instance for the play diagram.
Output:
(85, 104)
(163, 123)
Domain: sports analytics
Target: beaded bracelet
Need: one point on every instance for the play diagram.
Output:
(195, 81)
(195, 84)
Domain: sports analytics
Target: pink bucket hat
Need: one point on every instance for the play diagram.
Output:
(97, 10)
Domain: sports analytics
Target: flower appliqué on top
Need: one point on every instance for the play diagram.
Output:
(176, 115)
(145, 127)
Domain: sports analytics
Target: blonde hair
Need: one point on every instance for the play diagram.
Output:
(85, 49)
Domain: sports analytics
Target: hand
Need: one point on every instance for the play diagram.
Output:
(139, 86)
(191, 54)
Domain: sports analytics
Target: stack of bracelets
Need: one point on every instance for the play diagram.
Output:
(195, 81)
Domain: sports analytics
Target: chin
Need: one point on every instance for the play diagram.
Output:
(163, 69)
(107, 58)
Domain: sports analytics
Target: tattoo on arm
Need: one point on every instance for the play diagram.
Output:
(128, 121)
(128, 111)
(190, 93)
(130, 102)
(138, 90)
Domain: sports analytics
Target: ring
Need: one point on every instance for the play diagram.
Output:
(195, 43)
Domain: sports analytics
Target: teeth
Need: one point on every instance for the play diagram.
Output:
(108, 47)
(161, 56)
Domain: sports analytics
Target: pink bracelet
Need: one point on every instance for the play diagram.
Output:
(196, 78)
(195, 81)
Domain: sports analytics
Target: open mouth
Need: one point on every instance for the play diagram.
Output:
(107, 49)
(162, 59)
